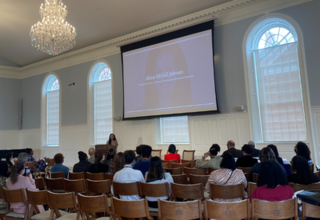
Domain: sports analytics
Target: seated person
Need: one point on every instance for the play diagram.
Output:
(157, 175)
(172, 154)
(139, 153)
(228, 174)
(232, 150)
(302, 173)
(272, 183)
(214, 161)
(256, 151)
(303, 150)
(98, 167)
(110, 156)
(117, 164)
(128, 175)
(91, 152)
(276, 153)
(58, 167)
(9, 159)
(23, 158)
(247, 160)
(39, 164)
(18, 181)
(83, 165)
(145, 164)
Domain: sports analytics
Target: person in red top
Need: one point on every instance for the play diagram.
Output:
(272, 184)
(172, 154)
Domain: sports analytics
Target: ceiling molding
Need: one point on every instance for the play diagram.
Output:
(229, 12)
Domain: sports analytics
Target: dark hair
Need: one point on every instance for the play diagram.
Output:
(139, 149)
(228, 162)
(111, 154)
(15, 172)
(271, 175)
(146, 151)
(8, 156)
(172, 149)
(304, 175)
(58, 158)
(97, 157)
(274, 149)
(129, 156)
(266, 153)
(156, 171)
(303, 150)
(118, 163)
(214, 149)
(114, 138)
(28, 150)
(82, 155)
(248, 149)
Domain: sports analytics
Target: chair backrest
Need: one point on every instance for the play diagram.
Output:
(180, 165)
(126, 189)
(245, 169)
(188, 154)
(318, 174)
(62, 200)
(154, 190)
(310, 211)
(255, 177)
(54, 183)
(37, 197)
(57, 175)
(156, 153)
(177, 151)
(95, 176)
(89, 204)
(227, 210)
(50, 162)
(192, 162)
(40, 183)
(210, 170)
(180, 178)
(189, 171)
(298, 187)
(14, 196)
(77, 176)
(226, 191)
(251, 187)
(165, 165)
(131, 209)
(173, 171)
(194, 179)
(99, 186)
(78, 185)
(183, 191)
(179, 210)
(274, 210)
(109, 176)
(169, 162)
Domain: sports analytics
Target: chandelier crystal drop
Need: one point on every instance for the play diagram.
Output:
(53, 35)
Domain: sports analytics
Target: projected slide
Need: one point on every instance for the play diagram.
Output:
(171, 77)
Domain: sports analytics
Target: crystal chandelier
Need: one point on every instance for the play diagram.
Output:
(53, 35)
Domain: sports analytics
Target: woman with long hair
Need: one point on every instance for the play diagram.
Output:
(18, 181)
(156, 175)
(302, 173)
(113, 141)
(302, 149)
(276, 153)
(118, 163)
(98, 167)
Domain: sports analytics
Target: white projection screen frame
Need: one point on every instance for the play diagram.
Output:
(171, 74)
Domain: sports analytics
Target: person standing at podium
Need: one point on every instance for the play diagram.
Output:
(112, 141)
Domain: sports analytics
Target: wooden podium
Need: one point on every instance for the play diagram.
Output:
(104, 148)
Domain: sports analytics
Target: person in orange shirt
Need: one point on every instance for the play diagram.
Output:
(172, 154)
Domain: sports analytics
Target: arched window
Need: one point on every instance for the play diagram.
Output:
(275, 86)
(100, 88)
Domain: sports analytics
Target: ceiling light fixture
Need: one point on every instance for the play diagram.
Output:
(53, 35)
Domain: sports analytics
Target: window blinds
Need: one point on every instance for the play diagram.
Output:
(174, 130)
(53, 118)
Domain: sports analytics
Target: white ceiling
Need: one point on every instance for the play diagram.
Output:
(95, 21)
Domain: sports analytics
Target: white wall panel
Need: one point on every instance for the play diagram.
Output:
(9, 139)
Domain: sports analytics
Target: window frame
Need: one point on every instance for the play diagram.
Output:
(180, 143)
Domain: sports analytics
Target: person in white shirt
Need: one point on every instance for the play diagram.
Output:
(157, 175)
(128, 175)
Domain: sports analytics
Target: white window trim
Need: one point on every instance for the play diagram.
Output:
(179, 143)
(97, 66)
(43, 118)
(249, 71)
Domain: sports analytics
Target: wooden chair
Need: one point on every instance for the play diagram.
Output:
(274, 210)
(57, 175)
(63, 201)
(298, 187)
(40, 184)
(180, 210)
(154, 190)
(50, 162)
(194, 171)
(195, 179)
(126, 189)
(310, 211)
(188, 154)
(130, 209)
(15, 196)
(210, 170)
(227, 210)
(93, 204)
(165, 165)
(246, 171)
(173, 171)
(255, 177)
(190, 192)
(55, 184)
(95, 176)
(77, 186)
(156, 153)
(77, 176)
(99, 186)
(169, 162)
(109, 176)
(180, 165)
(177, 151)
(192, 162)
(226, 191)
(35, 171)
(251, 187)
(3, 209)
(180, 178)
